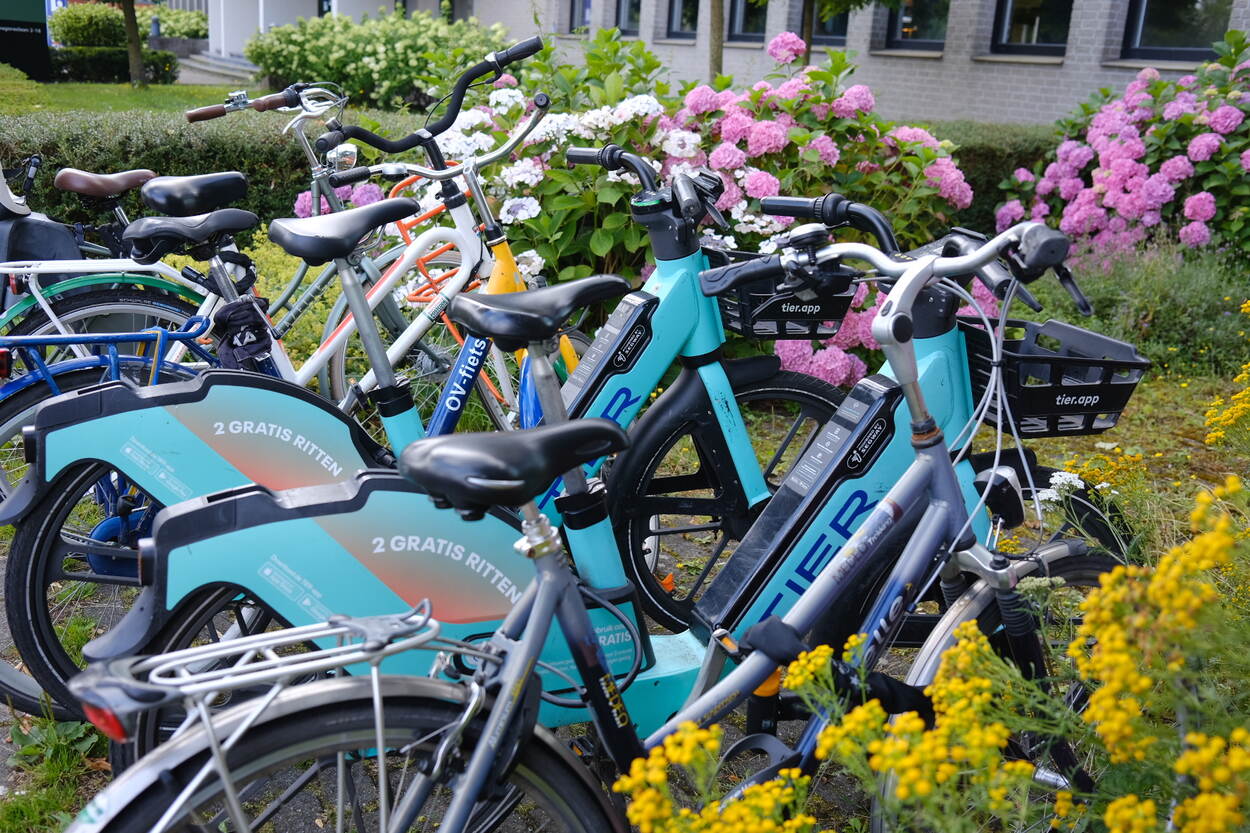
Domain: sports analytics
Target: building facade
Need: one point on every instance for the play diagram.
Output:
(986, 60)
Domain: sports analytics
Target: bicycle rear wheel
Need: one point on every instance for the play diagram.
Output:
(311, 761)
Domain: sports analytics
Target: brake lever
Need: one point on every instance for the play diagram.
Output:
(1083, 306)
(714, 213)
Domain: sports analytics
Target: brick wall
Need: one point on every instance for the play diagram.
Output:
(963, 81)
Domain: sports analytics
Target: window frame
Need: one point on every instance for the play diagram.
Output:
(829, 40)
(893, 41)
(674, 19)
(999, 45)
(1132, 33)
(736, 11)
(576, 6)
(622, 7)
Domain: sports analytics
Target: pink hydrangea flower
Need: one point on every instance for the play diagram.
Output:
(735, 126)
(731, 196)
(762, 86)
(1149, 219)
(1226, 119)
(1245, 161)
(866, 167)
(1186, 80)
(821, 111)
(831, 364)
(1148, 74)
(1008, 214)
(950, 182)
(702, 99)
(1203, 146)
(1023, 175)
(1040, 211)
(795, 354)
(856, 99)
(1044, 186)
(303, 204)
(727, 157)
(1074, 155)
(1070, 187)
(1185, 102)
(913, 134)
(829, 153)
(760, 184)
(786, 47)
(1177, 168)
(766, 137)
(366, 194)
(1200, 207)
(1157, 190)
(504, 80)
(791, 89)
(1195, 234)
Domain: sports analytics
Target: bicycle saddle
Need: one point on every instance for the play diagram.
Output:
(184, 196)
(473, 472)
(515, 319)
(151, 238)
(99, 185)
(329, 236)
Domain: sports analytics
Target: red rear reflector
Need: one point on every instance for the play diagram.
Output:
(6, 363)
(106, 721)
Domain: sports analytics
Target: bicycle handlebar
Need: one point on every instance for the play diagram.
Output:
(287, 98)
(835, 210)
(611, 158)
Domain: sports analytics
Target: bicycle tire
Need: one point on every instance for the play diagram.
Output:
(20, 689)
(319, 720)
(630, 480)
(116, 310)
(1079, 568)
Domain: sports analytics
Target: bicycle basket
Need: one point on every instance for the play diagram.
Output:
(1060, 380)
(761, 310)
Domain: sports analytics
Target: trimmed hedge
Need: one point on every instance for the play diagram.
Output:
(250, 142)
(114, 141)
(98, 24)
(111, 65)
(989, 152)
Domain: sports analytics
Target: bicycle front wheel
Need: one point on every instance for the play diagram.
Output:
(311, 762)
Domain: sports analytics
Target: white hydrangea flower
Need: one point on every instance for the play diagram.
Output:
(529, 263)
(684, 144)
(638, 106)
(596, 123)
(768, 246)
(555, 128)
(506, 99)
(718, 241)
(465, 138)
(528, 171)
(517, 209)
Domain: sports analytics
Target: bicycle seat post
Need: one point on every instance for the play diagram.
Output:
(547, 386)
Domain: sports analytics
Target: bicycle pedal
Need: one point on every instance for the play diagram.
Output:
(584, 747)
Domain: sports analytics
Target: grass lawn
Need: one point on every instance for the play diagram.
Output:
(18, 97)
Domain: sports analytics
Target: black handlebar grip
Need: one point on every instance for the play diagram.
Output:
(687, 197)
(340, 178)
(519, 51)
(1042, 247)
(328, 140)
(801, 207)
(607, 157)
(723, 278)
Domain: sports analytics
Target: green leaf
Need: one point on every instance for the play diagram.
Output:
(601, 242)
(565, 201)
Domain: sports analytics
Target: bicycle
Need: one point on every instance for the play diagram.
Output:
(370, 561)
(476, 740)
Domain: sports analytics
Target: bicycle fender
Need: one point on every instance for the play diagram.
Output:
(182, 439)
(113, 801)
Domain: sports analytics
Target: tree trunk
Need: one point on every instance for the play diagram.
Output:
(716, 40)
(809, 28)
(133, 45)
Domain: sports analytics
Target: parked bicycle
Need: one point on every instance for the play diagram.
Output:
(465, 745)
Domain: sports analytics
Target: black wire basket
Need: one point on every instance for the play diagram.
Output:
(762, 310)
(1060, 380)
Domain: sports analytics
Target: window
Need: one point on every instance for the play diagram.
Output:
(746, 20)
(627, 15)
(1032, 27)
(1175, 29)
(831, 32)
(918, 24)
(683, 18)
(579, 15)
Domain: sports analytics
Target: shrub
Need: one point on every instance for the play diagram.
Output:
(376, 60)
(88, 24)
(111, 64)
(175, 23)
(1166, 159)
(1180, 312)
(988, 153)
(99, 24)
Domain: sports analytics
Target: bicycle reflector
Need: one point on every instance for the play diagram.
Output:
(107, 721)
(6, 363)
